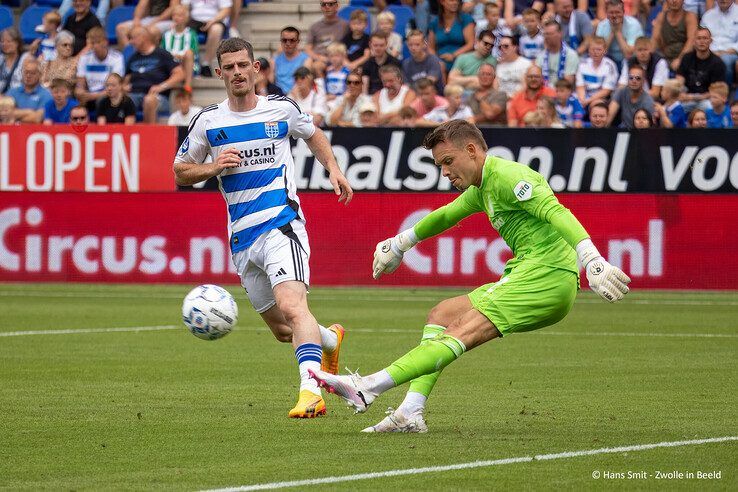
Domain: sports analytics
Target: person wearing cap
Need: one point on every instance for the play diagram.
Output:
(263, 86)
(368, 116)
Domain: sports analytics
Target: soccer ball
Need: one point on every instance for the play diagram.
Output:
(209, 312)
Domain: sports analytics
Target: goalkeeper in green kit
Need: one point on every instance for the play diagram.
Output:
(537, 288)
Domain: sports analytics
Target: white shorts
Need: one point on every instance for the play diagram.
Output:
(275, 257)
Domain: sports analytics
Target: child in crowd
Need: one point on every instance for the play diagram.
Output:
(494, 23)
(7, 110)
(58, 109)
(697, 119)
(181, 42)
(115, 106)
(408, 116)
(336, 72)
(185, 109)
(357, 40)
(531, 41)
(45, 47)
(670, 92)
(386, 25)
(718, 114)
(568, 107)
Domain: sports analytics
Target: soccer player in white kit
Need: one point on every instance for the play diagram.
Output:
(248, 138)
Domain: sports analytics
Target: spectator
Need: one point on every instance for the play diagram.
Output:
(79, 116)
(699, 69)
(534, 119)
(386, 25)
(558, 61)
(59, 108)
(427, 97)
(31, 97)
(151, 73)
(656, 68)
(488, 104)
(568, 107)
(619, 30)
(79, 23)
(454, 110)
(379, 58)
(718, 114)
(451, 33)
(357, 40)
(64, 65)
(45, 47)
(673, 32)
(289, 60)
(723, 21)
(697, 119)
(511, 67)
(514, 9)
(207, 16)
(629, 99)
(234, 18)
(262, 84)
(182, 43)
(12, 58)
(408, 117)
(526, 100)
(531, 41)
(674, 110)
(393, 96)
(7, 111)
(115, 106)
(576, 26)
(346, 111)
(185, 110)
(466, 66)
(598, 116)
(94, 66)
(546, 108)
(336, 72)
(493, 23)
(734, 113)
(368, 115)
(642, 119)
(101, 8)
(309, 95)
(421, 64)
(327, 30)
(597, 76)
(154, 13)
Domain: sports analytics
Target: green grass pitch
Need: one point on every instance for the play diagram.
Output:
(164, 410)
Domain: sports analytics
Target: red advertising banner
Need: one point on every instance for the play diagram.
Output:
(113, 158)
(661, 241)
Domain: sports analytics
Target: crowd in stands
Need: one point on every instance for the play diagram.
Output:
(518, 63)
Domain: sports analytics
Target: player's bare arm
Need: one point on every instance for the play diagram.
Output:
(321, 149)
(189, 173)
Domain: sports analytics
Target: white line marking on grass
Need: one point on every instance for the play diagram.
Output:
(473, 464)
(88, 330)
(624, 334)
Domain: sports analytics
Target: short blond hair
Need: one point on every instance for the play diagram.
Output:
(453, 90)
(336, 49)
(720, 88)
(673, 86)
(386, 16)
(7, 102)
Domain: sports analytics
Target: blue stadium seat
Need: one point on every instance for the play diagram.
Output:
(29, 19)
(49, 3)
(345, 14)
(115, 17)
(403, 15)
(362, 3)
(6, 17)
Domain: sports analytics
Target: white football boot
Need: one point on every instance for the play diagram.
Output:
(351, 388)
(395, 421)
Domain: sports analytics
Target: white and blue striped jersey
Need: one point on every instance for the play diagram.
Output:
(604, 76)
(261, 192)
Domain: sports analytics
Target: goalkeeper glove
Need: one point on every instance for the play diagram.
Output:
(610, 282)
(388, 253)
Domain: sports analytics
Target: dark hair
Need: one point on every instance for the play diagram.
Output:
(486, 32)
(263, 63)
(424, 83)
(515, 40)
(234, 45)
(563, 84)
(599, 105)
(703, 28)
(734, 103)
(80, 106)
(615, 3)
(690, 118)
(302, 72)
(648, 116)
(380, 35)
(552, 22)
(456, 132)
(291, 29)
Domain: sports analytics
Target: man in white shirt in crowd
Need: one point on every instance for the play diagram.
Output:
(511, 67)
(722, 21)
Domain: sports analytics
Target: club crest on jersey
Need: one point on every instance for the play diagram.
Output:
(271, 129)
(185, 146)
(523, 191)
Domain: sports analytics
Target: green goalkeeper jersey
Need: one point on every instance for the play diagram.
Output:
(522, 208)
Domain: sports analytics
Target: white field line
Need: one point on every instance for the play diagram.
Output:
(473, 464)
(371, 298)
(89, 330)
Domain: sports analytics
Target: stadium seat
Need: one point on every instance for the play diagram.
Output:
(115, 17)
(55, 4)
(29, 19)
(362, 3)
(6, 17)
(345, 14)
(403, 15)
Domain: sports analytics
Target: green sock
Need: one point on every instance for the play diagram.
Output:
(424, 384)
(430, 356)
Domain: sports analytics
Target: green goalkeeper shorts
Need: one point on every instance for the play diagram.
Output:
(527, 297)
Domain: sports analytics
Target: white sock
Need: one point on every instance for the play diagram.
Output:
(379, 382)
(306, 382)
(413, 403)
(328, 338)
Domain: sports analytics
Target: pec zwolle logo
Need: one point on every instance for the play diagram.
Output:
(271, 129)
(185, 146)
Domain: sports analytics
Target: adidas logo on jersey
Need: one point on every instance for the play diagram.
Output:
(281, 272)
(221, 136)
